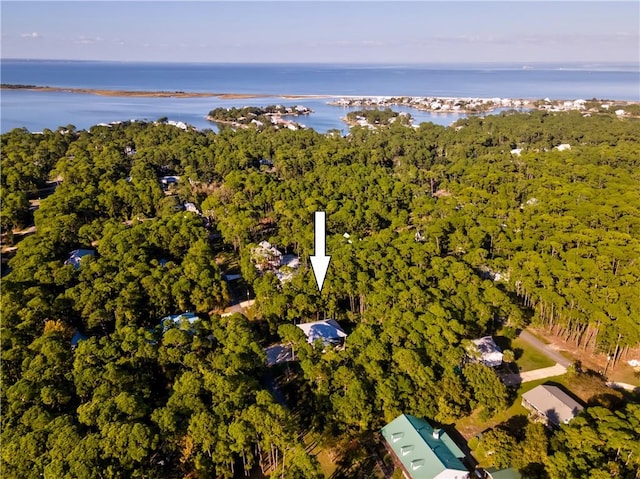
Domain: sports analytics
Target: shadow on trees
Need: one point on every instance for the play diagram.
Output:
(516, 426)
(534, 471)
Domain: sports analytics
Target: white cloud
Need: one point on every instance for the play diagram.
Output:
(84, 40)
(31, 35)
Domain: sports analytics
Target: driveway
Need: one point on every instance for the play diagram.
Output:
(551, 353)
(527, 376)
(558, 369)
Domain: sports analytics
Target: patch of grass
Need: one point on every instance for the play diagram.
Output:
(537, 333)
(344, 457)
(529, 358)
(590, 389)
(625, 374)
(323, 455)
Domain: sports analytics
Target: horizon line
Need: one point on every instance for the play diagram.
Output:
(524, 63)
(568, 65)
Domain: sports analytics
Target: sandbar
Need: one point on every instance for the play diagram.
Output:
(157, 94)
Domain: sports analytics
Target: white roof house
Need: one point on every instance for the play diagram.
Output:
(192, 208)
(328, 331)
(489, 351)
(178, 320)
(76, 255)
(178, 124)
(552, 404)
(278, 353)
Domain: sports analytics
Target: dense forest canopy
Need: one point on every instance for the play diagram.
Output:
(451, 233)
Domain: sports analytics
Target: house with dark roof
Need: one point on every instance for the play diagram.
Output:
(551, 404)
(422, 451)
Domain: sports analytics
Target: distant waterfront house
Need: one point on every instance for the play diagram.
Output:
(423, 452)
(551, 404)
(182, 321)
(488, 351)
(76, 255)
(328, 331)
(178, 124)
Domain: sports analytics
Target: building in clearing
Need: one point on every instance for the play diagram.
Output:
(423, 452)
(328, 331)
(488, 351)
(551, 404)
(76, 255)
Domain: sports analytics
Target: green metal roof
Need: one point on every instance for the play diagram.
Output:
(422, 455)
(509, 473)
(453, 447)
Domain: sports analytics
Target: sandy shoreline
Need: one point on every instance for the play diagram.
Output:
(159, 94)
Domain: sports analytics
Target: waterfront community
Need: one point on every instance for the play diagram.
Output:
(323, 112)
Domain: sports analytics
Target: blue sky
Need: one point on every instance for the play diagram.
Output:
(305, 31)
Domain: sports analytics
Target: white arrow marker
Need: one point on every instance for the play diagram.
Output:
(319, 261)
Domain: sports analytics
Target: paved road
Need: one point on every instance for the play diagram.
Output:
(552, 354)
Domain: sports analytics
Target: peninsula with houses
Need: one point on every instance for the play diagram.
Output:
(258, 117)
(470, 105)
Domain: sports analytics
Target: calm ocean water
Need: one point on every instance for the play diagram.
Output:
(39, 110)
